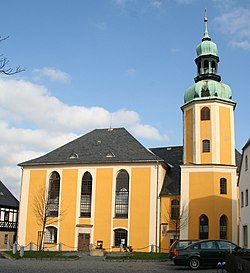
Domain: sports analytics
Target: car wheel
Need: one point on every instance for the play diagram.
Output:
(194, 263)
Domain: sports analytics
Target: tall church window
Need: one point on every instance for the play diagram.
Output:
(122, 195)
(121, 236)
(205, 113)
(223, 186)
(86, 195)
(205, 146)
(203, 227)
(246, 163)
(53, 194)
(175, 206)
(223, 227)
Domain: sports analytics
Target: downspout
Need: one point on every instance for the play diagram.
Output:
(157, 209)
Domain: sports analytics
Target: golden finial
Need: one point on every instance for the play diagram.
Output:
(205, 17)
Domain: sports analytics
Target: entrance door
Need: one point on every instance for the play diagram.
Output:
(83, 241)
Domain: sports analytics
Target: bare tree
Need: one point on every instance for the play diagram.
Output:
(177, 217)
(42, 209)
(4, 61)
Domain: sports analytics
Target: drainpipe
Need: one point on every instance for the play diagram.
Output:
(156, 218)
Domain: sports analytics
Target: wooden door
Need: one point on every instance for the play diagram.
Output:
(83, 242)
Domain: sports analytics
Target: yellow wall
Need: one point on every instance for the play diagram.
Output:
(68, 207)
(166, 219)
(189, 136)
(140, 207)
(225, 136)
(103, 213)
(205, 198)
(36, 184)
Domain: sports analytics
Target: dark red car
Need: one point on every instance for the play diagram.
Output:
(179, 244)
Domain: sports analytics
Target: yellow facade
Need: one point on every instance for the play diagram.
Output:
(102, 223)
(205, 198)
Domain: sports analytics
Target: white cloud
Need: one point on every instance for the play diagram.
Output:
(51, 73)
(234, 22)
(35, 122)
(156, 3)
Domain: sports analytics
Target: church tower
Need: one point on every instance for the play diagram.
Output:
(208, 173)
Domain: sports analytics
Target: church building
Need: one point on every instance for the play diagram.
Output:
(105, 188)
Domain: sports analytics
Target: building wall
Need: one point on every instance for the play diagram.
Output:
(201, 172)
(145, 182)
(168, 230)
(244, 190)
(200, 193)
(4, 236)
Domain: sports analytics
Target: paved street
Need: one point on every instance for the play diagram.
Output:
(91, 265)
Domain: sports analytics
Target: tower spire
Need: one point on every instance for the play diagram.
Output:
(206, 35)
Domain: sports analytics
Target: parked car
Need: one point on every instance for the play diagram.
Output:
(204, 252)
(179, 244)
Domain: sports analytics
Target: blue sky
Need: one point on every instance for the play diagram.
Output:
(125, 62)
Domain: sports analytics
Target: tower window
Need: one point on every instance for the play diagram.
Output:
(246, 163)
(223, 227)
(206, 66)
(203, 227)
(223, 186)
(205, 146)
(213, 65)
(205, 113)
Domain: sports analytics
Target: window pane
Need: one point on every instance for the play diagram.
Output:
(223, 186)
(53, 195)
(119, 235)
(205, 113)
(122, 195)
(206, 146)
(86, 195)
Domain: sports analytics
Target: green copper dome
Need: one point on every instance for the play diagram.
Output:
(208, 89)
(206, 47)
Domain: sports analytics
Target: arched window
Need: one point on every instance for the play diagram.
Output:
(175, 205)
(205, 113)
(206, 66)
(223, 227)
(53, 194)
(205, 146)
(213, 65)
(203, 227)
(120, 237)
(122, 195)
(86, 195)
(50, 235)
(223, 186)
(199, 68)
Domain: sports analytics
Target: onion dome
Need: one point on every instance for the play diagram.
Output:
(207, 82)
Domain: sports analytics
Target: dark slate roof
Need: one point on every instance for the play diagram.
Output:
(173, 157)
(98, 146)
(7, 199)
